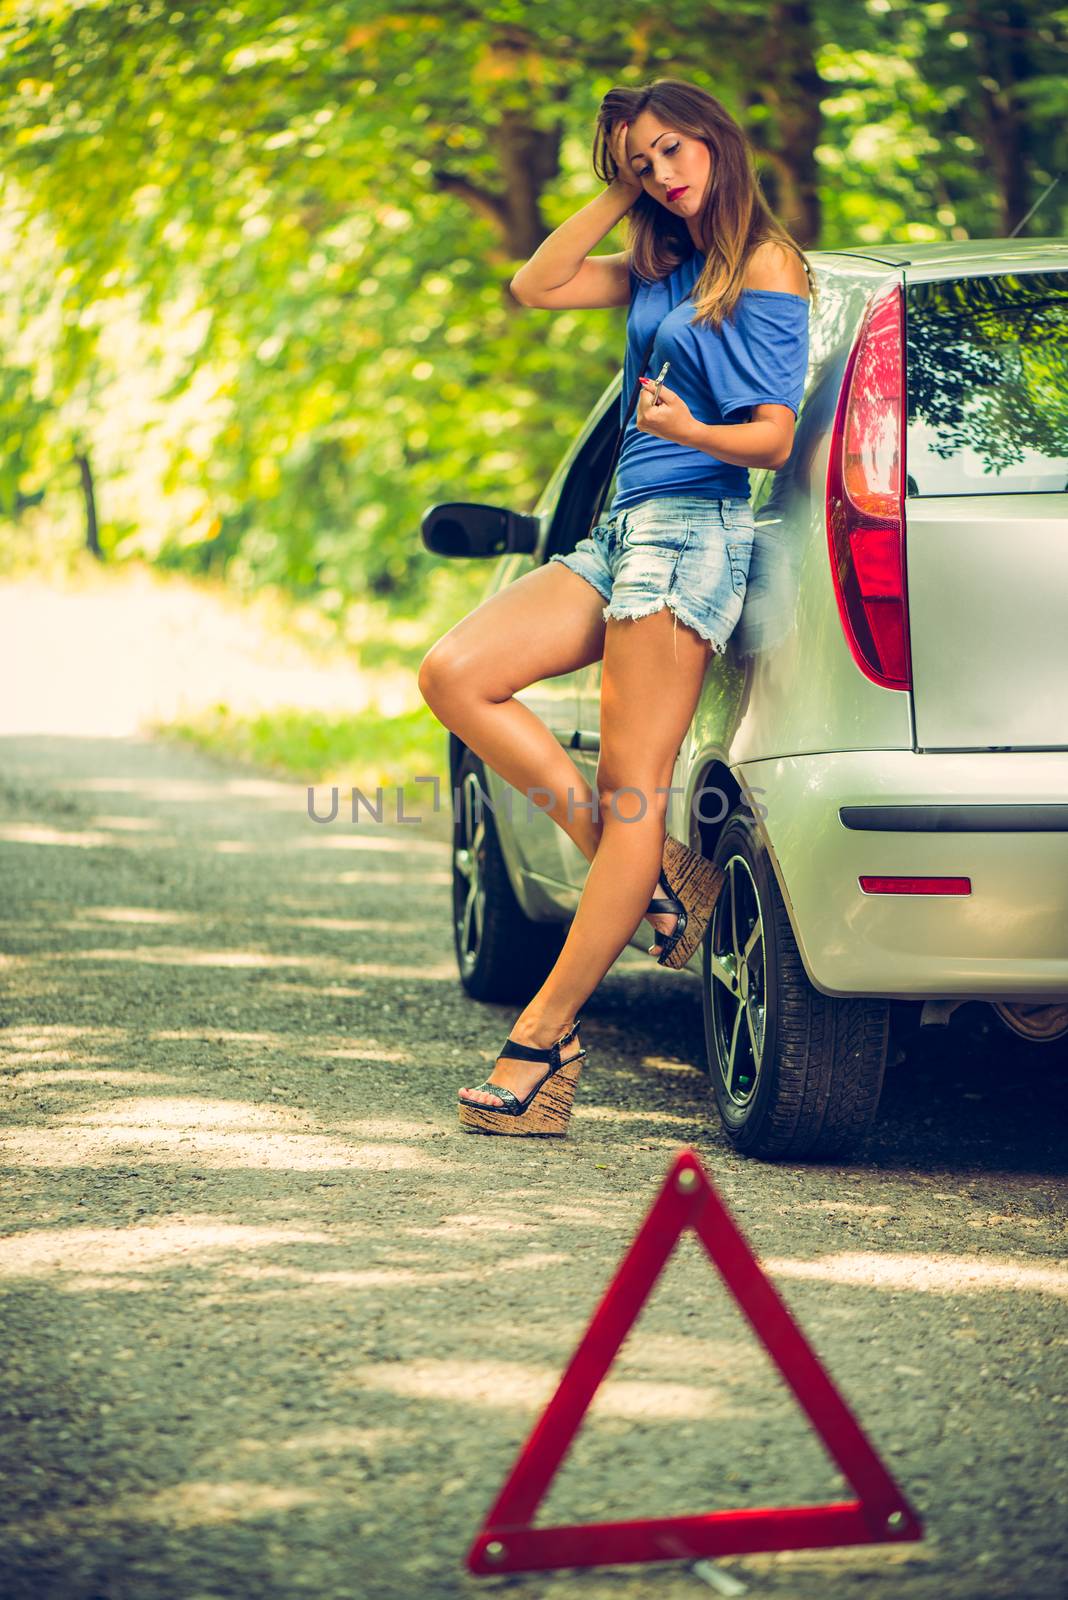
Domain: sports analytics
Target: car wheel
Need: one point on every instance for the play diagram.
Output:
(794, 1072)
(502, 954)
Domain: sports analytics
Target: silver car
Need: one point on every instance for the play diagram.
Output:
(879, 763)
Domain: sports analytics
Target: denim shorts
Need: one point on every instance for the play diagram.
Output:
(686, 551)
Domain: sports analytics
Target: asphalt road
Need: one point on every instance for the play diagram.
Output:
(274, 1326)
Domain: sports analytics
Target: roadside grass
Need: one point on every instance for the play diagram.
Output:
(370, 751)
(357, 718)
(384, 743)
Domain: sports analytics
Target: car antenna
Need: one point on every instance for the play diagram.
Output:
(1036, 205)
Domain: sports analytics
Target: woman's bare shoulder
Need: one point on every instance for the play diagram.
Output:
(775, 266)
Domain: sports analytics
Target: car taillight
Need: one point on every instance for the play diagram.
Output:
(865, 497)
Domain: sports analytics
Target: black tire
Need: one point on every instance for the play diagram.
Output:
(501, 953)
(807, 1069)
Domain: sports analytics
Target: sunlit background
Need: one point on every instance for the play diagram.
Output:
(255, 313)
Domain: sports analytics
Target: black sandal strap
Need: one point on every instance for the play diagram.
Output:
(661, 906)
(511, 1101)
(526, 1052)
(529, 1052)
(668, 941)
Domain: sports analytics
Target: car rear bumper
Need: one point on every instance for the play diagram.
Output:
(832, 818)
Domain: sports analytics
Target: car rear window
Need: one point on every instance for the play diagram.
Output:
(987, 385)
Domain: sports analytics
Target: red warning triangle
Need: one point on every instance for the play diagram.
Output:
(508, 1543)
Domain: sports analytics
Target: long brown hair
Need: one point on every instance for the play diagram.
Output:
(736, 218)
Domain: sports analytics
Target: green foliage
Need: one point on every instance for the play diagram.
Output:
(259, 251)
(22, 415)
(379, 755)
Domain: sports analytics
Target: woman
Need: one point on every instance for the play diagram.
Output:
(725, 287)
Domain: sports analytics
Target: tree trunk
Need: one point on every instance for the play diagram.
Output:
(788, 82)
(529, 156)
(529, 159)
(92, 537)
(999, 50)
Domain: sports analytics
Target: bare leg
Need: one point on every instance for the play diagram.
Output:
(517, 745)
(647, 702)
(546, 623)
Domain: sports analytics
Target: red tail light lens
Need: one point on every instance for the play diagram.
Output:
(866, 499)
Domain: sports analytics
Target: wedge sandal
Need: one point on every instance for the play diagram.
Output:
(693, 884)
(546, 1109)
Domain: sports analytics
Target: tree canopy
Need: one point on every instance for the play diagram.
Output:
(257, 254)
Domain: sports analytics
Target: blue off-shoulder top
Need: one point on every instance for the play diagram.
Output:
(759, 357)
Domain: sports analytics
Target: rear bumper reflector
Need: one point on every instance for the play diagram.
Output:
(916, 885)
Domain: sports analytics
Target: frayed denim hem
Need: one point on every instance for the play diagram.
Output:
(571, 567)
(621, 613)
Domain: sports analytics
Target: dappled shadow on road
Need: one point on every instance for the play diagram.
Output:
(376, 1359)
(277, 1326)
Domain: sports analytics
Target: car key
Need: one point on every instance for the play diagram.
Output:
(661, 375)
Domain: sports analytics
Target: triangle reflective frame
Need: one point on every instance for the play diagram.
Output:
(508, 1543)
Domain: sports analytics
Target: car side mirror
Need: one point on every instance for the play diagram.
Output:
(461, 528)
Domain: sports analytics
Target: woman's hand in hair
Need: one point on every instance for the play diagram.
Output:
(671, 419)
(617, 145)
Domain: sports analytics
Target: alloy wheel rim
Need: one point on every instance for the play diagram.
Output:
(469, 878)
(738, 983)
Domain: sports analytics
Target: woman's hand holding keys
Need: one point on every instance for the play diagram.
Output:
(669, 417)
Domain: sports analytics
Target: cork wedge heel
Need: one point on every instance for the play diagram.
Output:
(695, 885)
(546, 1109)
